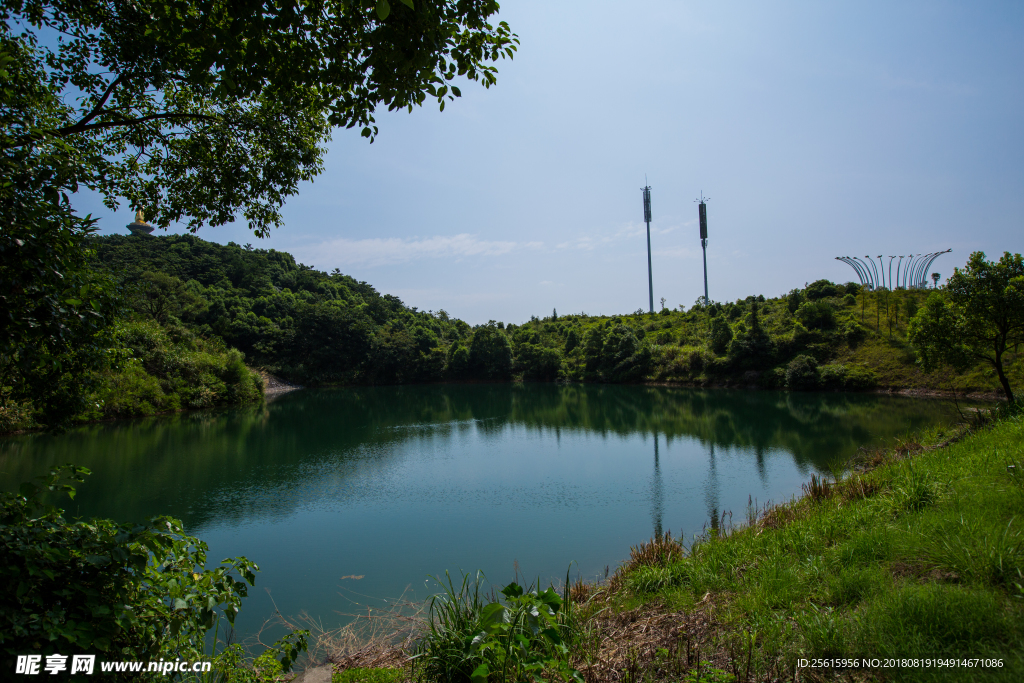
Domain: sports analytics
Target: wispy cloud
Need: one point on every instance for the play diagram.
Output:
(386, 251)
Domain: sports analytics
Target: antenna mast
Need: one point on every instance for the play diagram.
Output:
(702, 210)
(647, 219)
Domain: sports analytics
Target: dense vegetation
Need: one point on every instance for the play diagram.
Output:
(184, 317)
(320, 328)
(121, 591)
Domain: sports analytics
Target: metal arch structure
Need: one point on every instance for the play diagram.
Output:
(914, 276)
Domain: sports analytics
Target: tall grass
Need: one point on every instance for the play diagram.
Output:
(524, 635)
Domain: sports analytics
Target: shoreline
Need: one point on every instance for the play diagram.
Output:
(719, 605)
(274, 387)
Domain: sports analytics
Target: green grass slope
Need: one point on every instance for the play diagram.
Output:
(921, 557)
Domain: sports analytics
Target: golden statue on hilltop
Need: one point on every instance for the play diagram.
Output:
(140, 227)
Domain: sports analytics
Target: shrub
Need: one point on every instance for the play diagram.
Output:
(832, 376)
(127, 591)
(817, 315)
(772, 379)
(860, 378)
(518, 638)
(802, 373)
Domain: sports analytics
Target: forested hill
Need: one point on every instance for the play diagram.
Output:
(327, 328)
(307, 325)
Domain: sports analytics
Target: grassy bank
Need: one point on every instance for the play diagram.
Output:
(921, 556)
(917, 552)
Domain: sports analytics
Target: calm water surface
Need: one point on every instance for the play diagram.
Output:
(393, 484)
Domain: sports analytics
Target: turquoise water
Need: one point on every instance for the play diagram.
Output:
(392, 484)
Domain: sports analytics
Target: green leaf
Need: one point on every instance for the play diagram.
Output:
(383, 9)
(513, 590)
(407, 3)
(479, 674)
(493, 613)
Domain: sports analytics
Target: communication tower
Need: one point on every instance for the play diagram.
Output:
(647, 219)
(702, 212)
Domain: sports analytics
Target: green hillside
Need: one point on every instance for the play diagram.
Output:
(191, 318)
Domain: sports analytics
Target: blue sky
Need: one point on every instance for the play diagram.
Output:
(817, 130)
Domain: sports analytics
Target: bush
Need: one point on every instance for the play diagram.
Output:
(169, 368)
(860, 378)
(772, 379)
(817, 315)
(832, 376)
(802, 373)
(520, 638)
(126, 591)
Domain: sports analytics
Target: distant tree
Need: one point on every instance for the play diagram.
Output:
(819, 289)
(794, 299)
(752, 346)
(572, 339)
(979, 316)
(802, 373)
(721, 335)
(490, 353)
(816, 315)
(625, 357)
(593, 346)
(159, 295)
(458, 361)
(538, 362)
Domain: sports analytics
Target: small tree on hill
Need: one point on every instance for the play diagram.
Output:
(979, 316)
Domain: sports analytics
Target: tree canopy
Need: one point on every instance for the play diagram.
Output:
(201, 110)
(196, 112)
(979, 317)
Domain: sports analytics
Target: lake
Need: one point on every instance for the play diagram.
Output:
(353, 496)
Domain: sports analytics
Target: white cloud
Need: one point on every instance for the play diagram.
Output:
(385, 251)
